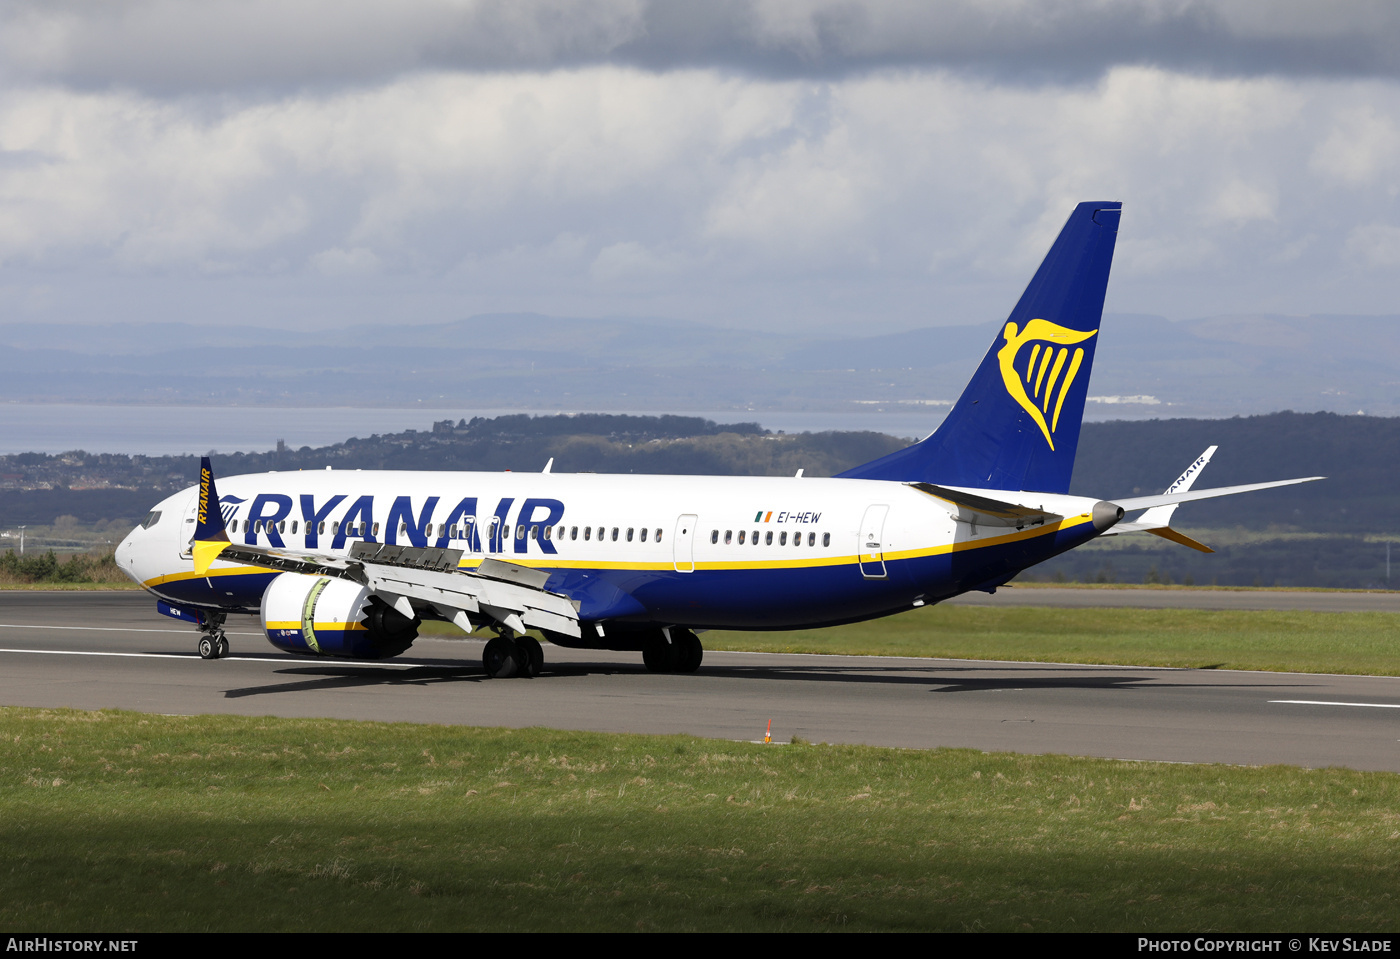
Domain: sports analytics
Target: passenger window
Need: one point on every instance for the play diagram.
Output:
(782, 538)
(630, 530)
(614, 536)
(768, 540)
(658, 534)
(826, 539)
(728, 536)
(644, 534)
(714, 536)
(587, 533)
(755, 537)
(282, 526)
(573, 532)
(534, 532)
(452, 531)
(549, 532)
(741, 536)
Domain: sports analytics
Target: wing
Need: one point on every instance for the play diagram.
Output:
(511, 595)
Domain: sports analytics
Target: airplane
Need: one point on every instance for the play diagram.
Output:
(348, 563)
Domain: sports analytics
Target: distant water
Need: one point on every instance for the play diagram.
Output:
(174, 430)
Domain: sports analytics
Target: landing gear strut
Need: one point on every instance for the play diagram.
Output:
(213, 644)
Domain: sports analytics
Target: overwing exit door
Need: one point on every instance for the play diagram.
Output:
(684, 543)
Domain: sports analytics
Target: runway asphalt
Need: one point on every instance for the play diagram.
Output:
(94, 650)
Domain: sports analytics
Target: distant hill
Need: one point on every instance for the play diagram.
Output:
(1312, 535)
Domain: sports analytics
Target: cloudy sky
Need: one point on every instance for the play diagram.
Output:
(829, 166)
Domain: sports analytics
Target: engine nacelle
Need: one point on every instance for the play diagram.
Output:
(325, 616)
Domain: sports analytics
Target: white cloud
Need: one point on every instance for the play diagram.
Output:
(1363, 144)
(717, 195)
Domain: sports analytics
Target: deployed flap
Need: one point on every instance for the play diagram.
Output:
(985, 511)
(512, 573)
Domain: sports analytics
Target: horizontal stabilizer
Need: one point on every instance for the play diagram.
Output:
(1163, 499)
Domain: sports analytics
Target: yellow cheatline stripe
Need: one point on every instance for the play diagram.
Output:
(296, 625)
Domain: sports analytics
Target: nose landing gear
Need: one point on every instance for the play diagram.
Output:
(213, 644)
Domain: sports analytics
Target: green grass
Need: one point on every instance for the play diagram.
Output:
(1357, 643)
(121, 822)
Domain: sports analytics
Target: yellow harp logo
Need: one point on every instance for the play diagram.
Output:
(1040, 386)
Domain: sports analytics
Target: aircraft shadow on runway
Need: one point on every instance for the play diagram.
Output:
(339, 676)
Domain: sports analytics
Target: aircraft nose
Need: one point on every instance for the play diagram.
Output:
(127, 554)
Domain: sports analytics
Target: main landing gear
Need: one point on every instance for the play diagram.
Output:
(507, 656)
(672, 650)
(213, 644)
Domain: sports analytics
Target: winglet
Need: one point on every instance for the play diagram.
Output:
(210, 538)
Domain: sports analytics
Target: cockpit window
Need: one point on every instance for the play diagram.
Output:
(152, 518)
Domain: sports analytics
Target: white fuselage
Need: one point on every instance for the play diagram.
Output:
(756, 552)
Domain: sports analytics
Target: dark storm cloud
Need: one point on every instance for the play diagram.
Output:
(169, 47)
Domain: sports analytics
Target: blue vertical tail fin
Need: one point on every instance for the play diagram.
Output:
(1016, 426)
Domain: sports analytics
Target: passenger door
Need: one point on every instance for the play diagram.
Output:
(870, 549)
